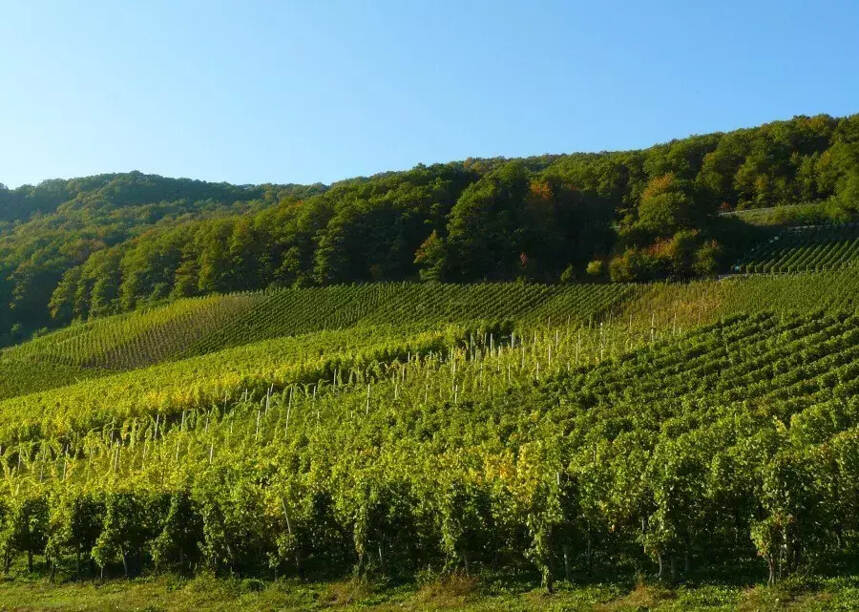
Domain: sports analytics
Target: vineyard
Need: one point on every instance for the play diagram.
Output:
(123, 342)
(195, 327)
(129, 341)
(687, 305)
(302, 310)
(200, 325)
(343, 370)
(796, 249)
(715, 445)
(380, 430)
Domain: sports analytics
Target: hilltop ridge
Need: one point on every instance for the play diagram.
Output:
(76, 249)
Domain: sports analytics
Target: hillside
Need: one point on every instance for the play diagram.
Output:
(197, 326)
(796, 249)
(619, 379)
(563, 441)
(71, 250)
(429, 307)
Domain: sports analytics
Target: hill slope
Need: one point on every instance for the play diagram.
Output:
(111, 243)
(798, 249)
(197, 326)
(459, 448)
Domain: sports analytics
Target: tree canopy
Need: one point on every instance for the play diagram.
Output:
(96, 245)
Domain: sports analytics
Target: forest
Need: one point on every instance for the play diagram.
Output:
(75, 249)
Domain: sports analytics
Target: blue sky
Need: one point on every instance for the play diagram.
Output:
(252, 92)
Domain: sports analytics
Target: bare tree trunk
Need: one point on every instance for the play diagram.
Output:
(549, 581)
(568, 574)
(589, 552)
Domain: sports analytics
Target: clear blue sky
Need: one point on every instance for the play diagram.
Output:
(252, 92)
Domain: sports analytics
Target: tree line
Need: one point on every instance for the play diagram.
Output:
(86, 247)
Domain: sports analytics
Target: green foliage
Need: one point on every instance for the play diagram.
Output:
(596, 268)
(182, 527)
(811, 213)
(558, 448)
(486, 227)
(24, 528)
(187, 328)
(204, 325)
(568, 275)
(75, 524)
(394, 428)
(88, 247)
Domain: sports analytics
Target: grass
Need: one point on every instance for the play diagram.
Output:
(456, 592)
